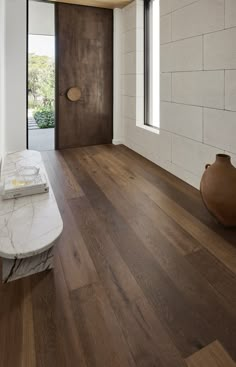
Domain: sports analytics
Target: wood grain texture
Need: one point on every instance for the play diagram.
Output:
(132, 251)
(28, 357)
(99, 330)
(140, 276)
(11, 324)
(214, 355)
(74, 255)
(135, 203)
(209, 239)
(84, 59)
(216, 274)
(109, 4)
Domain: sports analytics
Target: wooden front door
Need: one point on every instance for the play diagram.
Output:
(84, 47)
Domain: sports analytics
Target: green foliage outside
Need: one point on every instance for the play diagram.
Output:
(41, 85)
(45, 117)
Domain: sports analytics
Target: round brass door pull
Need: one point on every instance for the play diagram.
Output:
(74, 94)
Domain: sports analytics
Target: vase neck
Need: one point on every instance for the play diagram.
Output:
(223, 159)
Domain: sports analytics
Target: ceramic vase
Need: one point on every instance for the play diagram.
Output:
(218, 190)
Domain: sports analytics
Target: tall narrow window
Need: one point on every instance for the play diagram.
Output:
(152, 63)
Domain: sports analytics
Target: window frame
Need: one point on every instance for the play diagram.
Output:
(148, 67)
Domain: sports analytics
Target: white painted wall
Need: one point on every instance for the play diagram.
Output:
(198, 85)
(2, 78)
(41, 18)
(15, 71)
(15, 76)
(118, 128)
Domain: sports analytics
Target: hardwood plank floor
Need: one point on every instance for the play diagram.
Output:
(143, 275)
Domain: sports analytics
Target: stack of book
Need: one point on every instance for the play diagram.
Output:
(16, 186)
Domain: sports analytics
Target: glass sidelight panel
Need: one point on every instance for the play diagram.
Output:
(41, 76)
(152, 63)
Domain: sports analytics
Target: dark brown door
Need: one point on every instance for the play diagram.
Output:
(84, 39)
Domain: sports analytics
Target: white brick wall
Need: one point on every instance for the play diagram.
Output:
(183, 55)
(230, 13)
(191, 155)
(165, 25)
(220, 50)
(165, 6)
(178, 4)
(230, 90)
(203, 16)
(182, 120)
(197, 85)
(165, 86)
(200, 88)
(220, 129)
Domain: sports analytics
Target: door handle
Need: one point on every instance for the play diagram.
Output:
(71, 94)
(74, 94)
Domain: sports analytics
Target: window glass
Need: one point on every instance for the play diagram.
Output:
(152, 63)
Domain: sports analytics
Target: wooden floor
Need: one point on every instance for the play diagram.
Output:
(143, 275)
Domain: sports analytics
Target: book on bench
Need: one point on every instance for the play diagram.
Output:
(16, 186)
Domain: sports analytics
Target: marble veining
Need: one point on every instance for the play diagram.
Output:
(28, 225)
(20, 268)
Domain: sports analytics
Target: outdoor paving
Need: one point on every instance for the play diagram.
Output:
(41, 139)
(32, 124)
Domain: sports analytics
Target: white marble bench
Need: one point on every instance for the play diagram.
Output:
(29, 225)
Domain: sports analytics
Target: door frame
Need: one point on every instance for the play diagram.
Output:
(55, 3)
(56, 76)
(27, 69)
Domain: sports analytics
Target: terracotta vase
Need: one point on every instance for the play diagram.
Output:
(218, 190)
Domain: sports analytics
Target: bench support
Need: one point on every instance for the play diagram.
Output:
(13, 269)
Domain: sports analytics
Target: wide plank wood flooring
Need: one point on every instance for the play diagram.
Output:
(143, 275)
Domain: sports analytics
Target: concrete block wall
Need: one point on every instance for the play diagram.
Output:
(197, 85)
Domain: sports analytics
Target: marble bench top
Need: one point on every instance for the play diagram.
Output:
(28, 225)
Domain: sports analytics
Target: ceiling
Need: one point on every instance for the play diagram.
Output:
(110, 4)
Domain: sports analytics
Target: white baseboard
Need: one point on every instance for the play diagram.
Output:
(117, 142)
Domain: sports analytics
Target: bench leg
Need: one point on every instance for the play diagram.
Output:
(13, 269)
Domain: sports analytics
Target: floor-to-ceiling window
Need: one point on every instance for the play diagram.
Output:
(41, 77)
(152, 63)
